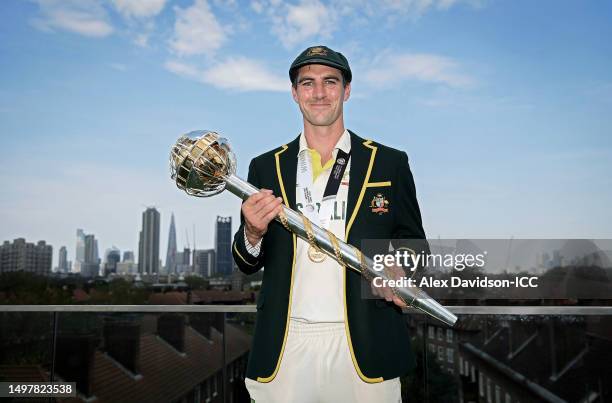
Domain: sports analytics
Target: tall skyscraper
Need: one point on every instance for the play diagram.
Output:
(62, 265)
(90, 267)
(183, 261)
(96, 254)
(79, 250)
(20, 255)
(204, 262)
(148, 246)
(112, 257)
(223, 246)
(171, 253)
(128, 256)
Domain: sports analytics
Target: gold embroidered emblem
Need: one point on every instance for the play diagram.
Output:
(317, 51)
(379, 204)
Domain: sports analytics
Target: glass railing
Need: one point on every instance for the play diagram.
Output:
(198, 353)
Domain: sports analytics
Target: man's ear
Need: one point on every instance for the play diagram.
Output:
(294, 93)
(347, 92)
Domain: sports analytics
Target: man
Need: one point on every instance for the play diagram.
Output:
(316, 339)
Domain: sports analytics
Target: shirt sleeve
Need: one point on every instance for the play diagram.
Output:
(253, 250)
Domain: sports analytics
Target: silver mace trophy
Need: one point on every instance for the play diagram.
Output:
(203, 164)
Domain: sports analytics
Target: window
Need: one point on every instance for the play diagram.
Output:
(508, 400)
(489, 397)
(440, 334)
(449, 335)
(216, 379)
(466, 368)
(208, 391)
(440, 354)
(432, 332)
(461, 366)
(497, 394)
(432, 348)
(450, 355)
(473, 373)
(481, 384)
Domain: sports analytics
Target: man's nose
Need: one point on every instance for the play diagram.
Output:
(319, 91)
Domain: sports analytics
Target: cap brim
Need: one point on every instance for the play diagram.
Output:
(324, 62)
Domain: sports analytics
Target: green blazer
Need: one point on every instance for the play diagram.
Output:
(377, 333)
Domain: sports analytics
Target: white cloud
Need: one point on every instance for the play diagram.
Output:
(183, 69)
(391, 68)
(308, 20)
(139, 8)
(142, 40)
(86, 17)
(446, 4)
(239, 74)
(393, 10)
(197, 31)
(257, 6)
(118, 66)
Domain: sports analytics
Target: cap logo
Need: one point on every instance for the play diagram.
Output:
(317, 51)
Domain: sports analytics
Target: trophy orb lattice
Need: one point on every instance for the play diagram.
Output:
(200, 163)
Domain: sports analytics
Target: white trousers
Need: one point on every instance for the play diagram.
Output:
(317, 368)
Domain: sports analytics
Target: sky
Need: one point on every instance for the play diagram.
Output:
(504, 108)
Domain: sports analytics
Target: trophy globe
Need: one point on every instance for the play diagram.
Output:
(201, 162)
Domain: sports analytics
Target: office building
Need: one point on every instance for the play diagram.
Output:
(20, 255)
(62, 266)
(79, 250)
(204, 262)
(148, 245)
(171, 252)
(90, 267)
(112, 258)
(223, 246)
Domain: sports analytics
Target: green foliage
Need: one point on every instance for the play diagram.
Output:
(23, 288)
(196, 283)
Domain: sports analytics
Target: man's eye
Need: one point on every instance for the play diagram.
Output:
(330, 82)
(307, 83)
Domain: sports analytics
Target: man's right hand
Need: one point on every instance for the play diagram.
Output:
(258, 210)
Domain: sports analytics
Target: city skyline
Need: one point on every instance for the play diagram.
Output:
(506, 123)
(81, 232)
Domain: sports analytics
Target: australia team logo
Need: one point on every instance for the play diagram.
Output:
(379, 204)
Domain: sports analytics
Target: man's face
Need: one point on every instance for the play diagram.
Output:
(320, 94)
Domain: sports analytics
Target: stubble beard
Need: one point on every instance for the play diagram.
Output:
(326, 119)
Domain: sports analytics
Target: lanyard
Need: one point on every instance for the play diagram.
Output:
(305, 182)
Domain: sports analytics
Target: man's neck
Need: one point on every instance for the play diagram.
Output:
(323, 139)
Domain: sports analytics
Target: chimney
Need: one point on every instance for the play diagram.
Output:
(122, 343)
(219, 321)
(75, 358)
(201, 322)
(171, 328)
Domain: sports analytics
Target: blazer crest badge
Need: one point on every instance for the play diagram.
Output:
(379, 204)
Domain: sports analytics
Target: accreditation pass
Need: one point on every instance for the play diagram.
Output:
(37, 389)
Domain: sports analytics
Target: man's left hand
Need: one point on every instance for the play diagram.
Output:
(393, 273)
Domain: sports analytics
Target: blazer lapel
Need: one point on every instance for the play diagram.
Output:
(286, 165)
(362, 156)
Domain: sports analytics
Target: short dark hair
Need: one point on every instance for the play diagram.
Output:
(294, 79)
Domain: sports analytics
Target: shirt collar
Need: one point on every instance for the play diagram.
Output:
(344, 143)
